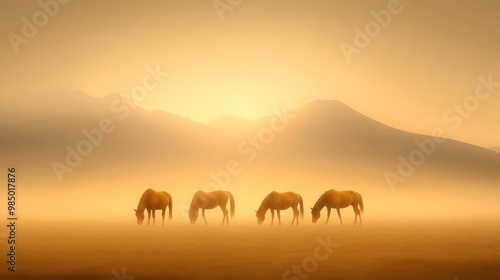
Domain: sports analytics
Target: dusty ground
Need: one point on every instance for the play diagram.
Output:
(385, 250)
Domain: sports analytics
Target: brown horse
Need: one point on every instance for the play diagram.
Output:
(152, 201)
(338, 199)
(210, 200)
(280, 201)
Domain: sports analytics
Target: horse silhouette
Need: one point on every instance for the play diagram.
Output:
(280, 201)
(209, 200)
(152, 201)
(338, 199)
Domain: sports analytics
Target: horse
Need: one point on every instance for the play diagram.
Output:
(210, 200)
(338, 199)
(152, 201)
(280, 201)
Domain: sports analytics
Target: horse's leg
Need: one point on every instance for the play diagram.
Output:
(163, 216)
(328, 210)
(225, 216)
(203, 214)
(154, 217)
(279, 216)
(356, 212)
(340, 217)
(295, 216)
(272, 216)
(149, 216)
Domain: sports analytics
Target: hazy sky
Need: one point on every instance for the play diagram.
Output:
(261, 55)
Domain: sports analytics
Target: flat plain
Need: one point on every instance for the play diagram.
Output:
(377, 250)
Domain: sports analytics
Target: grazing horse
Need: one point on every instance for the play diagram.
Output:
(280, 201)
(338, 199)
(210, 200)
(152, 201)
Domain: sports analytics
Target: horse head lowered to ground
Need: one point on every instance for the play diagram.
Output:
(280, 201)
(338, 199)
(151, 201)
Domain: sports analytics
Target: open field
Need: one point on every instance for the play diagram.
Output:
(385, 250)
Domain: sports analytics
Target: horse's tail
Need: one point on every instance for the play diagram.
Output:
(170, 208)
(301, 207)
(361, 203)
(231, 202)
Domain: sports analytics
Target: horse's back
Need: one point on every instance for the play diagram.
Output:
(210, 199)
(163, 199)
(354, 195)
(154, 199)
(164, 195)
(218, 195)
(147, 195)
(277, 196)
(282, 200)
(295, 197)
(148, 192)
(340, 199)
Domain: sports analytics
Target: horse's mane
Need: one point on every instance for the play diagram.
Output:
(320, 199)
(192, 204)
(144, 199)
(194, 200)
(264, 202)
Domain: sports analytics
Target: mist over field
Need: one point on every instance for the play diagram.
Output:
(438, 217)
(320, 146)
(105, 106)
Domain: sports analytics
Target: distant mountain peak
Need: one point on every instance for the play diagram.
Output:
(327, 104)
(113, 95)
(228, 120)
(328, 109)
(335, 102)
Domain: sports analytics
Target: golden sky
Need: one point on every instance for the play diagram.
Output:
(262, 55)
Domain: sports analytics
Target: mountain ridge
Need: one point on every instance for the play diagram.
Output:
(326, 137)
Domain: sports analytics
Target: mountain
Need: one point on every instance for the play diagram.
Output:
(496, 149)
(332, 132)
(324, 139)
